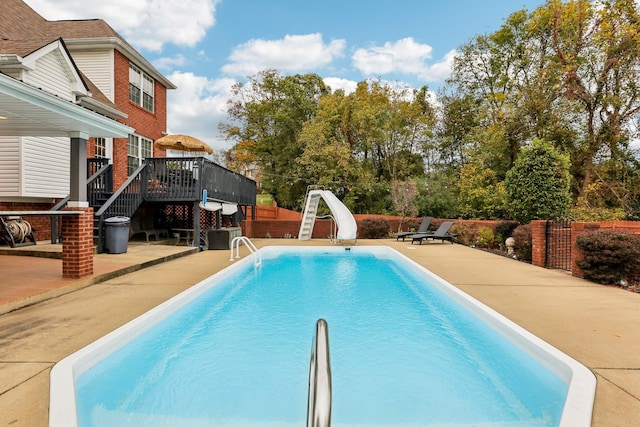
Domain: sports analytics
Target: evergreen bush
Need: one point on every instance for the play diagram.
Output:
(538, 185)
(610, 256)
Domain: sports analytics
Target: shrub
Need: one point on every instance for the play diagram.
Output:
(538, 184)
(610, 256)
(481, 193)
(522, 236)
(504, 230)
(465, 234)
(374, 228)
(486, 238)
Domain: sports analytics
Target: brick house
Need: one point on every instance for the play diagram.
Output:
(88, 63)
(80, 110)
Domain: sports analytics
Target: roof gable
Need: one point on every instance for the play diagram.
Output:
(26, 37)
(66, 64)
(21, 24)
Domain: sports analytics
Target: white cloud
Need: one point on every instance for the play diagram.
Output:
(170, 62)
(197, 106)
(294, 53)
(348, 86)
(146, 24)
(405, 56)
(439, 71)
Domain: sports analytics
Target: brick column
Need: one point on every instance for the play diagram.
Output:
(538, 242)
(577, 230)
(77, 243)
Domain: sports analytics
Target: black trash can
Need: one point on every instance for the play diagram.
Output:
(117, 234)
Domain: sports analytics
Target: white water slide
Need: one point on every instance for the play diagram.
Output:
(346, 223)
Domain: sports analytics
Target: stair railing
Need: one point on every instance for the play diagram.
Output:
(123, 202)
(99, 184)
(319, 400)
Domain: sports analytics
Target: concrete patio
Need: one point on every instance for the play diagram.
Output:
(48, 318)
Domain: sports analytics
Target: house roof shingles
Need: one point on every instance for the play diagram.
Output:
(23, 31)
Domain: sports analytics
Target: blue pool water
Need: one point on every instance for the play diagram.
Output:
(402, 353)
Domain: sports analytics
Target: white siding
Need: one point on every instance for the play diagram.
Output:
(51, 74)
(98, 66)
(9, 166)
(45, 167)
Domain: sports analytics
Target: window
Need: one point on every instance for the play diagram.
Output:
(101, 148)
(138, 149)
(140, 88)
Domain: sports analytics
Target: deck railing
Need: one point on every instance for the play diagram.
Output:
(171, 180)
(184, 178)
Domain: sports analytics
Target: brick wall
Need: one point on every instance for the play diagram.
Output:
(539, 244)
(287, 223)
(578, 229)
(77, 246)
(145, 123)
(41, 225)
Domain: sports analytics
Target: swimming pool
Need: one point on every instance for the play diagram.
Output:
(406, 349)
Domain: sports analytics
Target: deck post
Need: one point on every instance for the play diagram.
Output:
(78, 169)
(196, 224)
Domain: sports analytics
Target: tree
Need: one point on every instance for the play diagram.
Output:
(537, 186)
(481, 194)
(403, 195)
(596, 49)
(359, 144)
(327, 158)
(437, 194)
(267, 114)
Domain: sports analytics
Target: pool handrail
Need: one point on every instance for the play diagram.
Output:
(319, 400)
(257, 256)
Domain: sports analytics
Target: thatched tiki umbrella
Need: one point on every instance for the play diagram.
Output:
(182, 143)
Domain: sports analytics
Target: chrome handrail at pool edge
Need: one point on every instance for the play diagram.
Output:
(319, 400)
(257, 256)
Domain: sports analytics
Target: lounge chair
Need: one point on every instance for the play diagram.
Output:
(424, 228)
(442, 233)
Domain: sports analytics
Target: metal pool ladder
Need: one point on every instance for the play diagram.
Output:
(319, 402)
(257, 256)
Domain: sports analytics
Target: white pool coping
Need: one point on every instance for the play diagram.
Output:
(581, 382)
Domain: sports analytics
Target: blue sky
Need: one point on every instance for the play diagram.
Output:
(204, 46)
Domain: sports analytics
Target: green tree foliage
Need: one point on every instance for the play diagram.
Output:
(267, 114)
(537, 186)
(359, 144)
(596, 48)
(481, 195)
(437, 195)
(566, 73)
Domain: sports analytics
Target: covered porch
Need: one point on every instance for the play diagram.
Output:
(29, 111)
